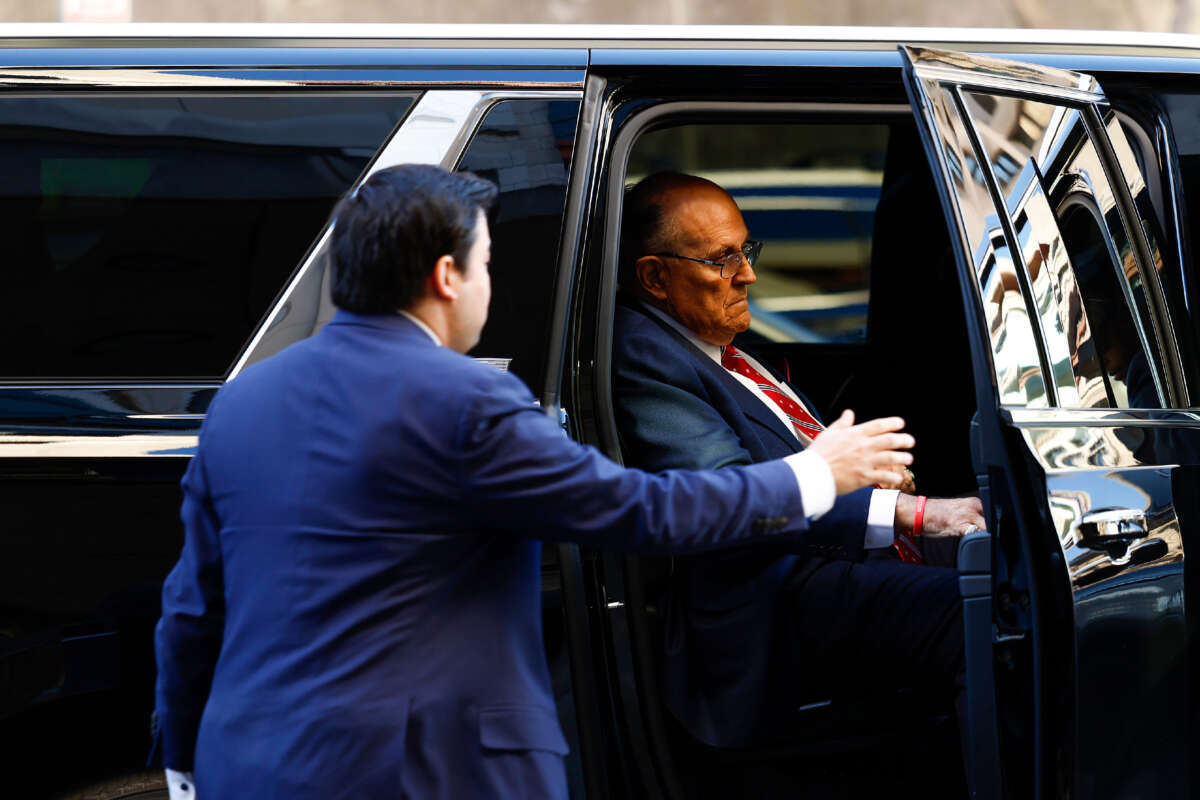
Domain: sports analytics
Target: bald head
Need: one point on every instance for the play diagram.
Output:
(650, 219)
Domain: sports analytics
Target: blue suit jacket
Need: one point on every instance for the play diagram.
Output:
(729, 668)
(356, 610)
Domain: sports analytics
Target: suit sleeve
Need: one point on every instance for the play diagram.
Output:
(188, 636)
(519, 471)
(666, 422)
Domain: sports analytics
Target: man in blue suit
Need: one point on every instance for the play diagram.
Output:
(748, 628)
(356, 610)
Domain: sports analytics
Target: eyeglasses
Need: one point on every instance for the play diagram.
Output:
(731, 263)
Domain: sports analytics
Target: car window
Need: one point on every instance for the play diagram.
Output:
(1090, 297)
(146, 236)
(809, 193)
(524, 147)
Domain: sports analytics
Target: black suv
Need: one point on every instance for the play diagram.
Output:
(998, 250)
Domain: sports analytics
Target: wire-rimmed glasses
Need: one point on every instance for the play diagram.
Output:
(731, 263)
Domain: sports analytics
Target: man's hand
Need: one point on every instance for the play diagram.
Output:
(863, 455)
(908, 482)
(943, 516)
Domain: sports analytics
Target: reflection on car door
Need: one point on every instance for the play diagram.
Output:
(1079, 456)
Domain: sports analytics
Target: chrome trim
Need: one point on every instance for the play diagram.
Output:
(951, 66)
(1099, 417)
(381, 77)
(435, 131)
(94, 445)
(93, 421)
(1137, 494)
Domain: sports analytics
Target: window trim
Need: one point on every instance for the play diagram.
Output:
(436, 130)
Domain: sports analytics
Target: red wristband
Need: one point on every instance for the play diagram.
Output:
(919, 516)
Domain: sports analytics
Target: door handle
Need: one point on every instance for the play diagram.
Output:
(1111, 529)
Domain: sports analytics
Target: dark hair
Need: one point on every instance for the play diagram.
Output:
(388, 235)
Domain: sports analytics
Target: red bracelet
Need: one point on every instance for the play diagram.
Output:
(919, 517)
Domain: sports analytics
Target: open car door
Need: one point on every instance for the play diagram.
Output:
(1083, 445)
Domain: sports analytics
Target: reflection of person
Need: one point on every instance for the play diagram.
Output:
(744, 627)
(356, 611)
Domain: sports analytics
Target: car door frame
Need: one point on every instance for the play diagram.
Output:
(1013, 470)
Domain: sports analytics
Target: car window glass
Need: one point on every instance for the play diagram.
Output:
(146, 236)
(1016, 349)
(524, 147)
(809, 193)
(1090, 297)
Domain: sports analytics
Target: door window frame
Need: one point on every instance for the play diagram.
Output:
(1164, 353)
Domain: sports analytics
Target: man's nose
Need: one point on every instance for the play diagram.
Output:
(745, 273)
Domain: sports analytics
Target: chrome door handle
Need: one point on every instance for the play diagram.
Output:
(1108, 528)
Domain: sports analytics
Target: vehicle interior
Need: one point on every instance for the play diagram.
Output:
(857, 298)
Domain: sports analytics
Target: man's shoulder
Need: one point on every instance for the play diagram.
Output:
(638, 337)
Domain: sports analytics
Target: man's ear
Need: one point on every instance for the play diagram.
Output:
(444, 280)
(652, 277)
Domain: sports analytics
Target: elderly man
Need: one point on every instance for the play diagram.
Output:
(747, 629)
(356, 609)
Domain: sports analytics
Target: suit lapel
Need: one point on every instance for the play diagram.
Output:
(747, 401)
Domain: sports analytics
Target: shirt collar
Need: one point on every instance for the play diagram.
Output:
(421, 324)
(711, 350)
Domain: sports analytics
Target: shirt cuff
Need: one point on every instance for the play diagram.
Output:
(180, 785)
(815, 480)
(881, 519)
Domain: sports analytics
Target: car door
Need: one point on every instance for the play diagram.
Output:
(1084, 447)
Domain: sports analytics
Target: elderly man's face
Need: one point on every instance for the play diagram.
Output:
(705, 223)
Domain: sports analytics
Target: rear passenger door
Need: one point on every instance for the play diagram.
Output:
(1085, 444)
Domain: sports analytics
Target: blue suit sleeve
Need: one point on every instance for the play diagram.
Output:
(520, 472)
(667, 423)
(188, 637)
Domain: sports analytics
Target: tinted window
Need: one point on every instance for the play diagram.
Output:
(809, 192)
(1089, 292)
(1117, 351)
(524, 147)
(146, 236)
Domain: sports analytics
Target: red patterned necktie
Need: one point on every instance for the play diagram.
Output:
(807, 426)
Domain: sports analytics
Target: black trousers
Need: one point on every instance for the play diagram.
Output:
(870, 626)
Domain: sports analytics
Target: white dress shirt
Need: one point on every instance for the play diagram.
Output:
(881, 514)
(420, 323)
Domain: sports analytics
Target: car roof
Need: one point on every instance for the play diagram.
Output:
(634, 36)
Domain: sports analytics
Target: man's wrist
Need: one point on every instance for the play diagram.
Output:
(906, 512)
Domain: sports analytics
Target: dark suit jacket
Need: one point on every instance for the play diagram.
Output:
(729, 671)
(356, 611)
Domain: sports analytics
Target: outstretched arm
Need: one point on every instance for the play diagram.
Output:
(519, 471)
